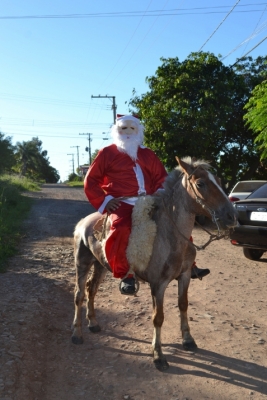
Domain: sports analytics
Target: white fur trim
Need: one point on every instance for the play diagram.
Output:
(140, 179)
(142, 235)
(131, 200)
(128, 118)
(103, 205)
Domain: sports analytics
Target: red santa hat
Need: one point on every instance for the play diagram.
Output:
(134, 118)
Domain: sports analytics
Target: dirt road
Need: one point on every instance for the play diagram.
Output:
(38, 361)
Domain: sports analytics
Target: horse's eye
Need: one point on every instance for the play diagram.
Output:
(200, 184)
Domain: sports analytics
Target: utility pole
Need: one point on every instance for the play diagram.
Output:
(114, 107)
(89, 147)
(77, 156)
(72, 161)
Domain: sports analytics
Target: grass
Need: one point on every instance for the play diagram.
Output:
(14, 207)
(75, 184)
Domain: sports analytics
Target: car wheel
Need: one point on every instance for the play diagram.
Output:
(252, 254)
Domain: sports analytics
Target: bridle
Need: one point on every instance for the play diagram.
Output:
(203, 205)
(215, 220)
(198, 199)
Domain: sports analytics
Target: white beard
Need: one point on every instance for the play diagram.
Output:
(128, 144)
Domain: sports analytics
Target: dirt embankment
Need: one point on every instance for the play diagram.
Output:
(38, 361)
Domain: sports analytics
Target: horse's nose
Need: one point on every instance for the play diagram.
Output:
(232, 218)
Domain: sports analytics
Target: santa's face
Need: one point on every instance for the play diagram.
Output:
(127, 136)
(127, 129)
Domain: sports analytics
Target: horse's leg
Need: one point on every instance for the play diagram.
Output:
(83, 261)
(92, 286)
(183, 284)
(158, 318)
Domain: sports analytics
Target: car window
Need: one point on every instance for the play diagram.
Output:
(259, 193)
(247, 186)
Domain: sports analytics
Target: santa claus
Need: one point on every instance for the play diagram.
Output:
(125, 168)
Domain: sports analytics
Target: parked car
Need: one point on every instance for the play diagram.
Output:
(242, 189)
(251, 233)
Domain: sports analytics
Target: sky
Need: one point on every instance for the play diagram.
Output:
(59, 56)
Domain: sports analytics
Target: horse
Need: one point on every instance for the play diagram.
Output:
(189, 190)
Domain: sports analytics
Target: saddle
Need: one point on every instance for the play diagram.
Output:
(142, 235)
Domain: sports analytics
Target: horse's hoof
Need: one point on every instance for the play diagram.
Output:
(161, 364)
(77, 339)
(94, 329)
(189, 346)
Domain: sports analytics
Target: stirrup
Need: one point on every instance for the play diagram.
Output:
(136, 286)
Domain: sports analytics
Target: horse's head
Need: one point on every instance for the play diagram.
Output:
(205, 190)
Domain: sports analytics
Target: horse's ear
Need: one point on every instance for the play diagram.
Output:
(186, 168)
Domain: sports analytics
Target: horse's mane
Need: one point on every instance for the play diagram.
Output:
(177, 174)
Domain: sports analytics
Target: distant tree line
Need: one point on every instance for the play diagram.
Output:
(26, 159)
(204, 109)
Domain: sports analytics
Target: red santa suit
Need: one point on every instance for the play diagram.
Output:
(114, 174)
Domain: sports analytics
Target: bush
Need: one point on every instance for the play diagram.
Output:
(75, 178)
(14, 207)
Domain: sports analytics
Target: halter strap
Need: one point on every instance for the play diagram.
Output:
(203, 205)
(198, 199)
(212, 238)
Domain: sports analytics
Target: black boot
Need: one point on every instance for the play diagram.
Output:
(199, 273)
(127, 286)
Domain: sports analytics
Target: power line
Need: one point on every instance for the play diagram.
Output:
(254, 34)
(44, 135)
(241, 58)
(220, 24)
(123, 14)
(114, 107)
(48, 123)
(34, 99)
(127, 45)
(137, 48)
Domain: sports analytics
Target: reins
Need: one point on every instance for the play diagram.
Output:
(215, 220)
(198, 199)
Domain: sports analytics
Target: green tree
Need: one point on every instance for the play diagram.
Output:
(28, 156)
(74, 178)
(94, 155)
(256, 117)
(32, 161)
(7, 159)
(195, 107)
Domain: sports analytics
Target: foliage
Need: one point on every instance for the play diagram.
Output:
(74, 178)
(94, 155)
(256, 116)
(32, 161)
(78, 184)
(195, 107)
(14, 206)
(20, 182)
(7, 159)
